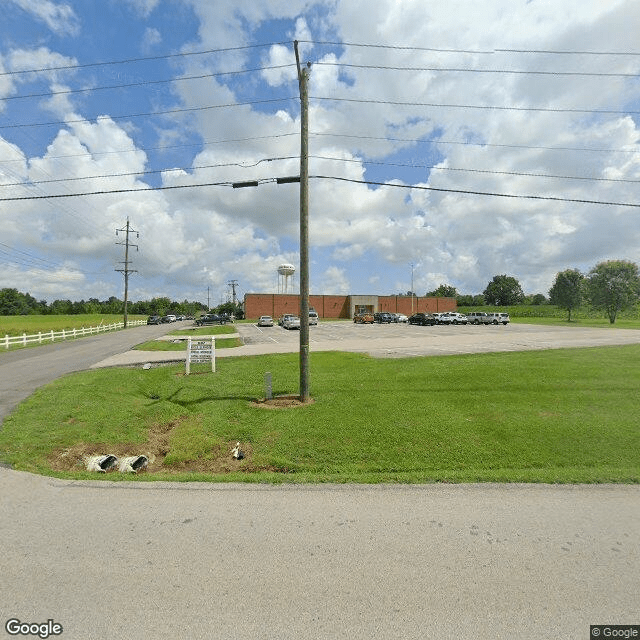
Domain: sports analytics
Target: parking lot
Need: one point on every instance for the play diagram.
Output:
(404, 340)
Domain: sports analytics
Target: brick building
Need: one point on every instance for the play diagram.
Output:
(328, 306)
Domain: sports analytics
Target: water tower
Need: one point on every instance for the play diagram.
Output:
(285, 275)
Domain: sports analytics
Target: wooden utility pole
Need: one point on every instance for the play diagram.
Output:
(303, 79)
(126, 271)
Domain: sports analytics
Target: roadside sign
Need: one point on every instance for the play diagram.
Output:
(201, 351)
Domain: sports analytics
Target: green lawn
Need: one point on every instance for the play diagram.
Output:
(168, 345)
(568, 415)
(17, 325)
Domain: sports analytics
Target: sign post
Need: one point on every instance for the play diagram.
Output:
(201, 351)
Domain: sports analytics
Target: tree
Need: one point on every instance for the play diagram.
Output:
(613, 286)
(443, 291)
(230, 309)
(538, 299)
(503, 290)
(14, 303)
(465, 300)
(567, 290)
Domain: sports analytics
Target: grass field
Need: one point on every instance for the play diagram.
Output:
(568, 415)
(17, 325)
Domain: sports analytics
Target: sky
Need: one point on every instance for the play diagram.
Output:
(449, 142)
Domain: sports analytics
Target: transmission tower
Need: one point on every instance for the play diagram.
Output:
(125, 270)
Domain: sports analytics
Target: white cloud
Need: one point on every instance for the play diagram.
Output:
(192, 238)
(151, 39)
(60, 18)
(143, 7)
(335, 280)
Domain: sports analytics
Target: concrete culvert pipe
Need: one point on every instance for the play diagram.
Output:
(101, 463)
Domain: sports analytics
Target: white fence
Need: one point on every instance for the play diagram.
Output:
(51, 336)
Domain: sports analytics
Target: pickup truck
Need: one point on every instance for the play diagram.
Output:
(211, 318)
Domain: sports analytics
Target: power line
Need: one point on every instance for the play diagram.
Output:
(412, 165)
(570, 52)
(480, 193)
(478, 51)
(262, 181)
(477, 106)
(163, 147)
(144, 83)
(435, 141)
(147, 114)
(474, 144)
(168, 56)
(483, 171)
(468, 70)
(150, 172)
(327, 98)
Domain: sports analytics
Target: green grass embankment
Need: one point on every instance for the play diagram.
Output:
(567, 415)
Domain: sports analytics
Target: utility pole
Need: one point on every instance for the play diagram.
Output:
(233, 284)
(303, 80)
(126, 271)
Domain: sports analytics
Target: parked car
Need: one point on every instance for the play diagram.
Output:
(459, 318)
(265, 321)
(291, 322)
(444, 317)
(498, 318)
(423, 319)
(154, 320)
(363, 317)
(399, 317)
(211, 318)
(477, 317)
(313, 317)
(169, 318)
(382, 317)
(282, 318)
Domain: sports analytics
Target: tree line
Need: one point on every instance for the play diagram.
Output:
(611, 287)
(15, 303)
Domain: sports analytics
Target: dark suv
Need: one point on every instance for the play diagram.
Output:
(383, 317)
(423, 319)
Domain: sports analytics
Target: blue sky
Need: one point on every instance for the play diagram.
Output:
(439, 102)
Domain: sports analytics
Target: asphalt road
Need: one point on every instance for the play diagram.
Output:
(172, 560)
(22, 371)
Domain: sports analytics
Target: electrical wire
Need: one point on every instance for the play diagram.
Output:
(149, 114)
(475, 144)
(480, 193)
(164, 147)
(478, 51)
(319, 157)
(167, 56)
(477, 106)
(467, 70)
(325, 177)
(145, 83)
(151, 172)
